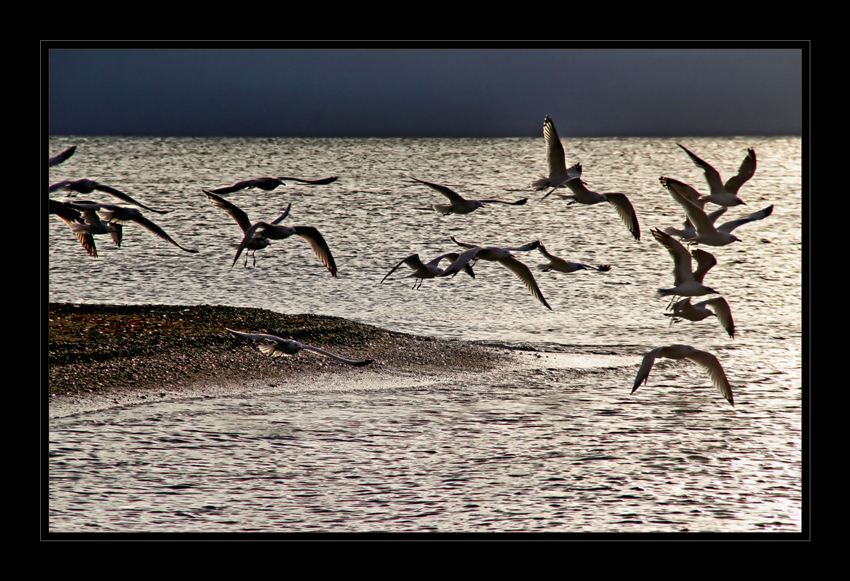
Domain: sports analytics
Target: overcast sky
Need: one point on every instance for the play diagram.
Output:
(424, 92)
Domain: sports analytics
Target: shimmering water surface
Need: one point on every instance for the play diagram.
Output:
(557, 446)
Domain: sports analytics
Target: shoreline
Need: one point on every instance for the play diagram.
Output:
(104, 355)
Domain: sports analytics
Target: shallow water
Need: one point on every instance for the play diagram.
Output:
(554, 445)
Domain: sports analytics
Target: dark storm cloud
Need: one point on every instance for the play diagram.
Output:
(424, 92)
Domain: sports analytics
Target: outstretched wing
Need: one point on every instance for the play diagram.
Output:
(413, 261)
(555, 156)
(319, 182)
(60, 157)
(681, 259)
(151, 227)
(705, 262)
(126, 197)
(711, 175)
(449, 193)
(715, 371)
(356, 362)
(645, 367)
(232, 210)
(523, 272)
(626, 212)
(723, 312)
(745, 172)
(760, 215)
(319, 246)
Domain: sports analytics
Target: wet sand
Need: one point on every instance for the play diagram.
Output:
(106, 355)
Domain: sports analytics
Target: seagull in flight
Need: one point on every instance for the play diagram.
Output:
(431, 269)
(459, 204)
(582, 195)
(275, 346)
(562, 265)
(504, 257)
(725, 194)
(706, 233)
(268, 184)
(559, 174)
(687, 283)
(61, 156)
(688, 231)
(717, 307)
(74, 220)
(702, 358)
(87, 186)
(258, 234)
(118, 215)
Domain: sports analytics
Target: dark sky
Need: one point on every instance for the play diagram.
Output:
(425, 92)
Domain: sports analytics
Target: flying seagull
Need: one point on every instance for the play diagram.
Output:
(275, 346)
(717, 307)
(268, 184)
(258, 234)
(706, 233)
(582, 195)
(504, 257)
(562, 265)
(702, 358)
(460, 205)
(431, 269)
(725, 194)
(559, 174)
(119, 215)
(686, 283)
(87, 186)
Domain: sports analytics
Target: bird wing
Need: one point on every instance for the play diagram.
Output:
(357, 362)
(59, 185)
(452, 256)
(695, 214)
(320, 247)
(626, 212)
(449, 193)
(413, 261)
(682, 189)
(254, 336)
(519, 202)
(236, 213)
(681, 259)
(117, 233)
(319, 182)
(461, 261)
(151, 227)
(555, 156)
(464, 244)
(234, 187)
(705, 261)
(745, 172)
(126, 197)
(723, 312)
(712, 217)
(761, 214)
(64, 211)
(711, 175)
(60, 157)
(645, 367)
(283, 216)
(523, 272)
(715, 371)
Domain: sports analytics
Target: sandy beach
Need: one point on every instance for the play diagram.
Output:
(105, 355)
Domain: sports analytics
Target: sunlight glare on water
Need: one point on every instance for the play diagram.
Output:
(531, 448)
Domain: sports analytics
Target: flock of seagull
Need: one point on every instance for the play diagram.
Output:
(88, 218)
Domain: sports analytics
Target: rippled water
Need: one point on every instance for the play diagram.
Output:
(556, 446)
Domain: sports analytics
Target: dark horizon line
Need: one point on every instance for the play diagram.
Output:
(408, 136)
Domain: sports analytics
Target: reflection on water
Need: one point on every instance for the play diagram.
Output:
(545, 446)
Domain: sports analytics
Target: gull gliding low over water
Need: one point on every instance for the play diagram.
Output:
(258, 234)
(702, 358)
(275, 346)
(502, 256)
(556, 159)
(87, 186)
(267, 184)
(459, 204)
(431, 269)
(717, 307)
(562, 265)
(725, 194)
